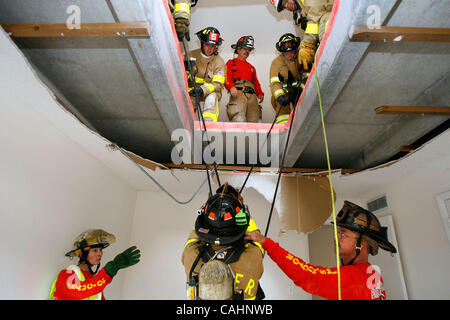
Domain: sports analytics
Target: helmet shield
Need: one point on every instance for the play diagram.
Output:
(210, 36)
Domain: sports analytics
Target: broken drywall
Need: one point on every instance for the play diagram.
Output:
(303, 203)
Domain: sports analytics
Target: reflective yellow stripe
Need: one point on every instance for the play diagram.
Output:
(305, 75)
(182, 7)
(218, 78)
(51, 296)
(210, 115)
(278, 93)
(210, 87)
(252, 226)
(190, 241)
(326, 25)
(274, 79)
(282, 119)
(312, 28)
(253, 298)
(199, 80)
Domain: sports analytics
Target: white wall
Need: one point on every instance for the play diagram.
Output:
(160, 228)
(410, 186)
(236, 18)
(51, 189)
(424, 247)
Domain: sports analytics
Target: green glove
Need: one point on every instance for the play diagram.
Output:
(123, 260)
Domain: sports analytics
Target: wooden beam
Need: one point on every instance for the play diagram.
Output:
(413, 110)
(407, 148)
(40, 30)
(320, 172)
(363, 33)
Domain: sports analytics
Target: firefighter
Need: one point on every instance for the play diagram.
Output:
(181, 12)
(359, 234)
(81, 282)
(286, 77)
(208, 73)
(219, 234)
(242, 83)
(317, 13)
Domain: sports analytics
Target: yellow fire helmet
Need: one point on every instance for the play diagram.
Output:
(92, 238)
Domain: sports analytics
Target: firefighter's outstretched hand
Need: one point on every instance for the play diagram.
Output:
(123, 260)
(255, 236)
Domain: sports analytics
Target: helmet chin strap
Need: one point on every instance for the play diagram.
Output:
(83, 259)
(358, 251)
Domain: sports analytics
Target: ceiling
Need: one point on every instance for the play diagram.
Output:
(133, 91)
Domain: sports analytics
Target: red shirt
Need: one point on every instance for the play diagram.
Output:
(68, 287)
(237, 69)
(358, 282)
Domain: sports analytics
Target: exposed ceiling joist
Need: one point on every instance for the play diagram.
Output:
(413, 110)
(50, 30)
(364, 33)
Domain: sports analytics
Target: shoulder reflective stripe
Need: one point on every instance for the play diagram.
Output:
(77, 271)
(252, 226)
(182, 7)
(218, 78)
(199, 80)
(312, 28)
(274, 79)
(210, 87)
(259, 245)
(326, 25)
(278, 93)
(190, 241)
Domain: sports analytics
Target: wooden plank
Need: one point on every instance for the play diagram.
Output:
(255, 169)
(363, 33)
(413, 110)
(407, 148)
(40, 30)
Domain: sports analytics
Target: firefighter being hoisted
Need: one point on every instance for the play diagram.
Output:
(208, 73)
(181, 12)
(219, 234)
(317, 13)
(286, 77)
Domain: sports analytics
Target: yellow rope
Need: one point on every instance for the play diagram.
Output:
(329, 178)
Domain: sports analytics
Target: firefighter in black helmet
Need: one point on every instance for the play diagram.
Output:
(359, 234)
(219, 234)
(286, 77)
(208, 78)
